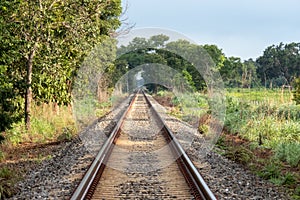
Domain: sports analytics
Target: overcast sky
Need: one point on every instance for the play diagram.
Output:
(242, 28)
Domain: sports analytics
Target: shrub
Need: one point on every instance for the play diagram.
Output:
(287, 179)
(239, 154)
(288, 152)
(270, 171)
(67, 134)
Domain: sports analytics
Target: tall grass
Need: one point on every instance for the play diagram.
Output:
(261, 95)
(48, 122)
(267, 118)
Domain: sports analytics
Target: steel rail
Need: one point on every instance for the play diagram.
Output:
(193, 177)
(200, 189)
(83, 188)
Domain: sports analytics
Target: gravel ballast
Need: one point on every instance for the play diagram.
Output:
(57, 178)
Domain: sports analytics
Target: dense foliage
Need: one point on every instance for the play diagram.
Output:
(279, 65)
(42, 44)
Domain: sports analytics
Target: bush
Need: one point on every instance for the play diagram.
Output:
(11, 100)
(288, 152)
(287, 179)
(239, 154)
(270, 171)
(237, 114)
(67, 134)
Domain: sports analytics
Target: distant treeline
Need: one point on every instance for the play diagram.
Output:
(279, 65)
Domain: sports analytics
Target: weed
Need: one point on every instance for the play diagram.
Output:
(7, 178)
(270, 171)
(239, 154)
(276, 180)
(221, 142)
(203, 129)
(288, 179)
(67, 134)
(2, 155)
(296, 195)
(288, 152)
(46, 124)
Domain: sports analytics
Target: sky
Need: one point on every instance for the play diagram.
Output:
(241, 28)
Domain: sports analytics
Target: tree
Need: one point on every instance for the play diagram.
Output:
(51, 38)
(249, 76)
(232, 71)
(11, 82)
(158, 41)
(279, 65)
(10, 99)
(216, 54)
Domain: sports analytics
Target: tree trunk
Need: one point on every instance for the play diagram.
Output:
(250, 80)
(265, 76)
(28, 96)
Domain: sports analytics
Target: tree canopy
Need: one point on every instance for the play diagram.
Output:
(279, 65)
(42, 46)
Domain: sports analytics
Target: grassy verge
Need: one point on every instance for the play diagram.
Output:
(261, 161)
(268, 123)
(48, 123)
(262, 132)
(21, 150)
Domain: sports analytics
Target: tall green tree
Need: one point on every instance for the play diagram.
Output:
(232, 71)
(51, 38)
(249, 76)
(279, 64)
(216, 54)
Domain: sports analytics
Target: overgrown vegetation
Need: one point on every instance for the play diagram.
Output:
(269, 121)
(48, 124)
(42, 44)
(262, 131)
(8, 179)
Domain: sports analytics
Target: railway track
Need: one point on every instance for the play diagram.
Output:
(142, 159)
